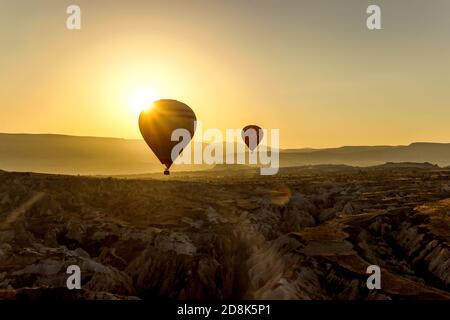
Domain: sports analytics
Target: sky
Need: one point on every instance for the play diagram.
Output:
(309, 68)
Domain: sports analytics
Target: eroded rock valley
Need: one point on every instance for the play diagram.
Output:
(306, 233)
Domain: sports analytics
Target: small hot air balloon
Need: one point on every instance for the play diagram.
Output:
(158, 123)
(252, 136)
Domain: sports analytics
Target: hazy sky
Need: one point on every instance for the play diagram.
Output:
(310, 68)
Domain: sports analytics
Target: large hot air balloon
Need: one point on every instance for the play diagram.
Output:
(158, 123)
(252, 136)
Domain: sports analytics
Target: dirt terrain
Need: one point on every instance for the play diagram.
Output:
(306, 233)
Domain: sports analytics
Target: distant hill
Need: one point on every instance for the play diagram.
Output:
(64, 154)
(74, 155)
(407, 165)
(435, 153)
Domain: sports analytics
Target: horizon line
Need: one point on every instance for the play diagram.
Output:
(284, 149)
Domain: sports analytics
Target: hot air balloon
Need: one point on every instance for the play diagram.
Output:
(157, 124)
(252, 136)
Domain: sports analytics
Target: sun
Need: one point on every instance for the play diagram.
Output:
(141, 99)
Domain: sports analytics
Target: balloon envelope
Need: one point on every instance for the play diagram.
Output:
(157, 124)
(252, 136)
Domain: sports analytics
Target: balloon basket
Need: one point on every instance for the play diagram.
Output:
(166, 172)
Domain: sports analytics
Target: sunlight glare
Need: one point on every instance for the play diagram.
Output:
(141, 99)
